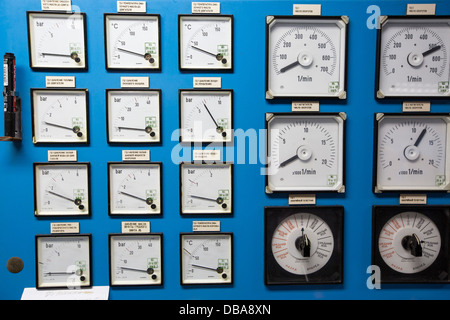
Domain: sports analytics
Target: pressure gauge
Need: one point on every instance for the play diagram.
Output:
(135, 259)
(132, 41)
(305, 153)
(205, 42)
(304, 245)
(61, 189)
(206, 116)
(135, 188)
(206, 258)
(60, 115)
(410, 243)
(63, 261)
(413, 57)
(133, 116)
(412, 152)
(306, 57)
(206, 188)
(57, 40)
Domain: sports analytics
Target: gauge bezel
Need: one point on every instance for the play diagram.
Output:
(340, 115)
(59, 164)
(331, 273)
(131, 16)
(209, 92)
(136, 91)
(180, 41)
(31, 44)
(209, 234)
(377, 118)
(63, 91)
(394, 98)
(436, 273)
(204, 164)
(111, 237)
(325, 97)
(65, 235)
(135, 163)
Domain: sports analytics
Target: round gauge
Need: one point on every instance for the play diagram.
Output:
(133, 116)
(305, 152)
(60, 115)
(61, 189)
(206, 258)
(206, 42)
(135, 259)
(206, 116)
(134, 188)
(206, 188)
(57, 40)
(412, 152)
(413, 57)
(306, 57)
(132, 41)
(63, 261)
(410, 243)
(303, 245)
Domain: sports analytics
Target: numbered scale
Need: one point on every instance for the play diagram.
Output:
(410, 243)
(412, 152)
(135, 188)
(133, 115)
(305, 152)
(304, 245)
(205, 42)
(413, 57)
(132, 41)
(62, 189)
(206, 188)
(63, 261)
(306, 57)
(206, 258)
(60, 116)
(57, 40)
(135, 259)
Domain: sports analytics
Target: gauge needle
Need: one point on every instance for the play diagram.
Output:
(218, 56)
(218, 269)
(75, 129)
(218, 200)
(430, 51)
(149, 201)
(218, 128)
(148, 271)
(146, 56)
(286, 162)
(73, 56)
(289, 66)
(76, 201)
(420, 137)
(147, 129)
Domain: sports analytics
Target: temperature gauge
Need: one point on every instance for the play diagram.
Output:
(304, 245)
(410, 243)
(413, 57)
(306, 57)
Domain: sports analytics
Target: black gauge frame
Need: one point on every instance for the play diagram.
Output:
(331, 273)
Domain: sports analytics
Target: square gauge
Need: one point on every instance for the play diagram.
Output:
(306, 57)
(132, 41)
(413, 57)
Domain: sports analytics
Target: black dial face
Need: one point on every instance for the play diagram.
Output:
(303, 245)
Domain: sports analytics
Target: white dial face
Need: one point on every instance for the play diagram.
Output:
(409, 242)
(61, 189)
(206, 42)
(206, 116)
(63, 261)
(302, 243)
(305, 153)
(132, 41)
(57, 40)
(135, 188)
(206, 258)
(134, 116)
(412, 153)
(60, 116)
(414, 58)
(206, 188)
(306, 57)
(135, 260)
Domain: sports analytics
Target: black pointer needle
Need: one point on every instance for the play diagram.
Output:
(149, 270)
(73, 56)
(75, 129)
(76, 201)
(434, 49)
(289, 66)
(218, 128)
(286, 162)
(218, 270)
(146, 56)
(218, 56)
(420, 137)
(148, 200)
(218, 200)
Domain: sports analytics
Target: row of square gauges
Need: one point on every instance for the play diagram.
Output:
(305, 56)
(303, 245)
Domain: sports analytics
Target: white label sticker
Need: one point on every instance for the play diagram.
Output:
(62, 155)
(132, 6)
(208, 82)
(305, 106)
(206, 155)
(5, 74)
(421, 9)
(134, 82)
(413, 199)
(59, 82)
(135, 155)
(205, 7)
(302, 199)
(205, 226)
(135, 226)
(416, 106)
(307, 10)
(64, 227)
(56, 5)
